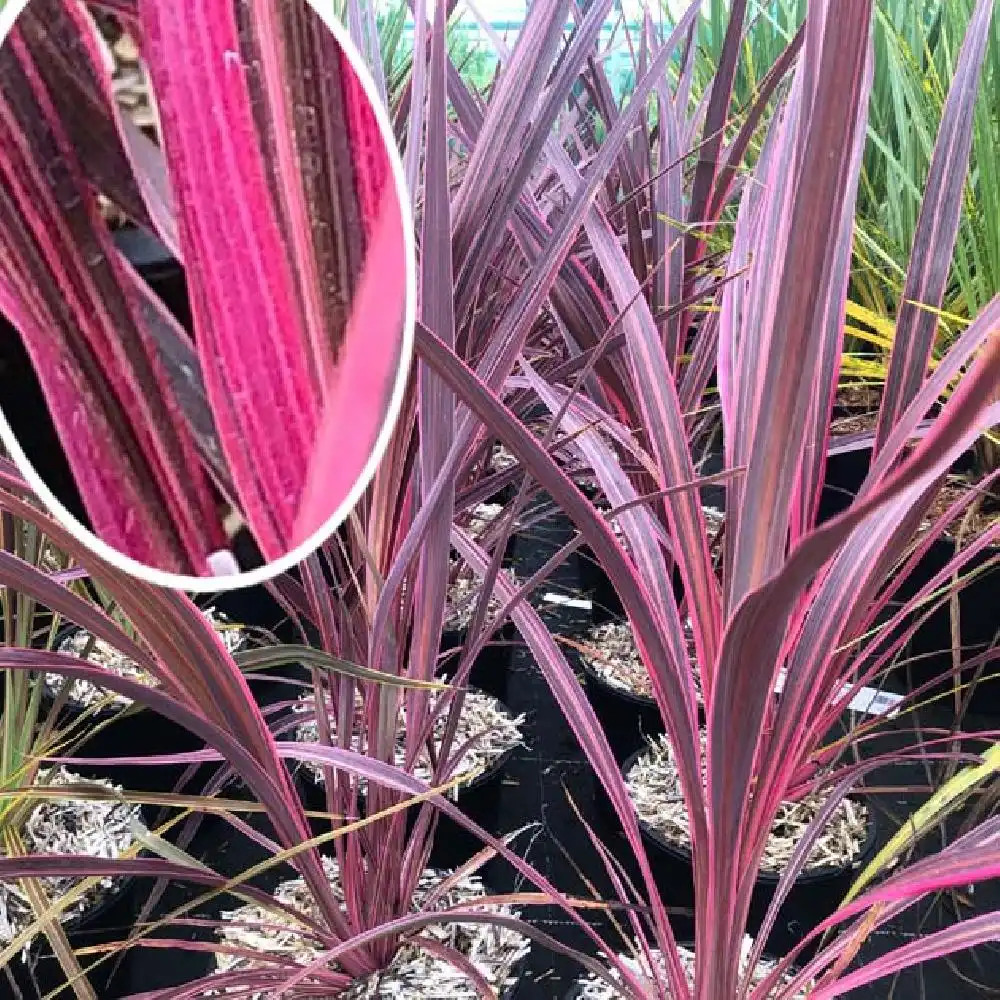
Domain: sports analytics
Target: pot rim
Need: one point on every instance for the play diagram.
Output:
(73, 708)
(606, 687)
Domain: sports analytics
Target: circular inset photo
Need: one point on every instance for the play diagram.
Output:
(206, 278)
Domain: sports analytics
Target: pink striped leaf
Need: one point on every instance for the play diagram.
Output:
(770, 354)
(293, 237)
(89, 330)
(513, 326)
(504, 197)
(201, 687)
(635, 598)
(716, 114)
(510, 109)
(809, 196)
(963, 935)
(736, 150)
(119, 159)
(754, 638)
(283, 185)
(436, 402)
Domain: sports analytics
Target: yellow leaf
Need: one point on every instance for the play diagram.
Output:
(950, 795)
(879, 323)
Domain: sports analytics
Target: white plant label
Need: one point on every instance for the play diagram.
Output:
(568, 602)
(868, 700)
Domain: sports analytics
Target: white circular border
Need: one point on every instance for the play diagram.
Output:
(218, 584)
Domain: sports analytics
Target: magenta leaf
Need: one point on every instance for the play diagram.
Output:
(73, 298)
(294, 240)
(284, 192)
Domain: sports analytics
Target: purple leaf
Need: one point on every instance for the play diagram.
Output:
(278, 211)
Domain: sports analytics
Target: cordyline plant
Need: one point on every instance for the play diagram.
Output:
(376, 593)
(199, 685)
(791, 597)
(384, 612)
(392, 625)
(275, 188)
(806, 603)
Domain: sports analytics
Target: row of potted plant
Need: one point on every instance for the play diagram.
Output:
(581, 324)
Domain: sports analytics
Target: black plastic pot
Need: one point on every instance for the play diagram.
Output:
(508, 552)
(132, 731)
(595, 584)
(814, 896)
(256, 608)
(845, 473)
(712, 463)
(576, 990)
(109, 921)
(519, 971)
(140, 732)
(491, 667)
(453, 844)
(590, 488)
(159, 269)
(592, 580)
(628, 719)
(930, 648)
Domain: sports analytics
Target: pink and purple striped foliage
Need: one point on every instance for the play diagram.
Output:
(391, 626)
(794, 599)
(514, 184)
(274, 185)
(200, 686)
